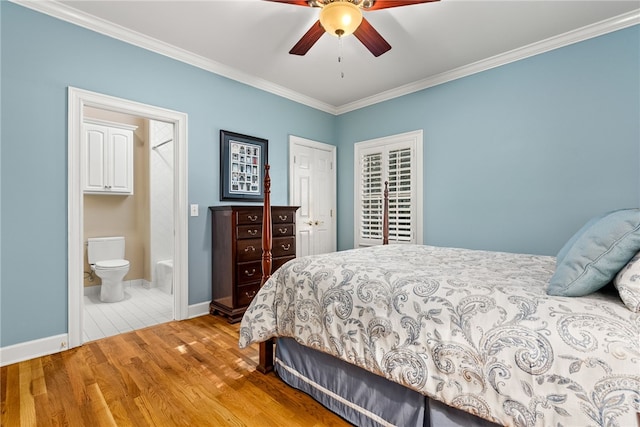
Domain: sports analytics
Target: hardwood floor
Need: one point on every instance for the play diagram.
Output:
(187, 373)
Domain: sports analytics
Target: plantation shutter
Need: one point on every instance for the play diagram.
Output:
(400, 179)
(371, 197)
(396, 163)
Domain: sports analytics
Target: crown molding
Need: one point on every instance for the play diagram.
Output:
(74, 16)
(590, 31)
(69, 14)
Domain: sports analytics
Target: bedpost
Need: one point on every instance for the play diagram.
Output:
(385, 215)
(265, 363)
(266, 228)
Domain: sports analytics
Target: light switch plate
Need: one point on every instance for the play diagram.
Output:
(194, 210)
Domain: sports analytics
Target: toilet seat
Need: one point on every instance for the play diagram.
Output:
(111, 264)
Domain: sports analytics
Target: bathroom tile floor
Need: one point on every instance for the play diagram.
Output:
(140, 308)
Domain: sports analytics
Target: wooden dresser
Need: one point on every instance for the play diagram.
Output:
(236, 253)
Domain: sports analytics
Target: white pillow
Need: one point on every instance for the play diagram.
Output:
(627, 282)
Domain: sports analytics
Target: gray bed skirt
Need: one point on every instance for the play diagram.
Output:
(360, 397)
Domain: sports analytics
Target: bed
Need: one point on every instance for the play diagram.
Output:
(416, 335)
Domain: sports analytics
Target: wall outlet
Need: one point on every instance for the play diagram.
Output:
(194, 210)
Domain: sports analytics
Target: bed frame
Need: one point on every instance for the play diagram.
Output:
(265, 363)
(436, 413)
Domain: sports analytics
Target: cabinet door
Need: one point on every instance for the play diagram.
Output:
(108, 159)
(94, 158)
(120, 172)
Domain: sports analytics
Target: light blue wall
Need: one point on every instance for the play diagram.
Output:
(41, 57)
(518, 157)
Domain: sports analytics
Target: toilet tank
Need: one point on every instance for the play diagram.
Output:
(104, 248)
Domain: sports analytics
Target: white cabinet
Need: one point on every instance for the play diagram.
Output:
(108, 157)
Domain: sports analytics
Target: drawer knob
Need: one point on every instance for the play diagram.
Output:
(252, 218)
(283, 217)
(250, 248)
(249, 274)
(252, 232)
(283, 230)
(286, 247)
(250, 295)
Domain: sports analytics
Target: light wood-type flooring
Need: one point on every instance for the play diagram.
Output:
(186, 373)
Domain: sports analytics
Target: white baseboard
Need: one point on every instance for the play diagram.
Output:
(54, 344)
(32, 349)
(199, 309)
(140, 283)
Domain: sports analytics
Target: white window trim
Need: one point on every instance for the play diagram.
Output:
(415, 138)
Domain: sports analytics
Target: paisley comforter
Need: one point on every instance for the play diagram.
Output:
(472, 329)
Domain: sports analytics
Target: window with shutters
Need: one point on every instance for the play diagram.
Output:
(397, 160)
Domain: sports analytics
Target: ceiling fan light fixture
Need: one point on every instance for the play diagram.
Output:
(340, 18)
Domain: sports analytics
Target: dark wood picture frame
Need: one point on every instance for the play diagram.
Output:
(242, 160)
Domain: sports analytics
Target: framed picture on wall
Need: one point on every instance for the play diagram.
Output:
(242, 160)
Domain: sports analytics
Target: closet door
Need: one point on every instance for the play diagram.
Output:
(312, 187)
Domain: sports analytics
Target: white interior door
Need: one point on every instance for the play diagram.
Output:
(313, 187)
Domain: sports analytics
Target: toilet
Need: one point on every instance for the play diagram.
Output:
(106, 257)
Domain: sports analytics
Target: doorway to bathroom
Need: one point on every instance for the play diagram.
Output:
(149, 216)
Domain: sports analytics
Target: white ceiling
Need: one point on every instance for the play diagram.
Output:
(249, 40)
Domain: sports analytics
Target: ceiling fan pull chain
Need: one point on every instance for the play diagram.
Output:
(340, 57)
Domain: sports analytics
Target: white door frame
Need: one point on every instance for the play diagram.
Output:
(77, 100)
(296, 140)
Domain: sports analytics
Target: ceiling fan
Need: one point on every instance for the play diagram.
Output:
(343, 17)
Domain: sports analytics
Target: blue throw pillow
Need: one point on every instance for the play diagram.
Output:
(597, 254)
(563, 251)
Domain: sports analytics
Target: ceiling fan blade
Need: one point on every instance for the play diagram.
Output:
(308, 40)
(371, 38)
(294, 2)
(385, 4)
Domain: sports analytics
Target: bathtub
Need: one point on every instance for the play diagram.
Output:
(164, 275)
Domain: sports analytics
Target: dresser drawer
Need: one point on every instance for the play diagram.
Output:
(249, 250)
(248, 272)
(249, 216)
(246, 293)
(283, 246)
(249, 231)
(283, 215)
(282, 230)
